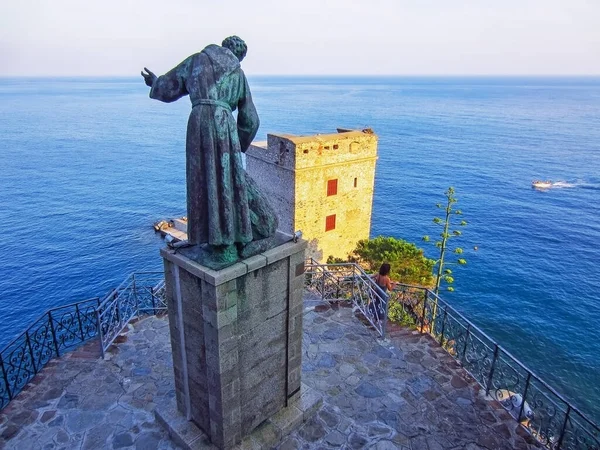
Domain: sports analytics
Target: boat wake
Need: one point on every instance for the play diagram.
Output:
(563, 184)
(544, 185)
(577, 184)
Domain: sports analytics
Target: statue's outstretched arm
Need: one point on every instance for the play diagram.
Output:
(170, 86)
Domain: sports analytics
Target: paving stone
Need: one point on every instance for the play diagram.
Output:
(56, 422)
(96, 438)
(368, 390)
(488, 441)
(24, 418)
(390, 418)
(62, 437)
(419, 443)
(78, 421)
(335, 438)
(381, 352)
(289, 444)
(68, 401)
(51, 394)
(356, 441)
(147, 440)
(47, 416)
(414, 356)
(333, 334)
(9, 431)
(122, 440)
(458, 382)
(377, 430)
(344, 425)
(330, 418)
(384, 445)
(346, 369)
(326, 360)
(312, 430)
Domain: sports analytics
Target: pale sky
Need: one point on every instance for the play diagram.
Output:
(318, 37)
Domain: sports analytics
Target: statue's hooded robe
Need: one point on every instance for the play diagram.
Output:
(223, 204)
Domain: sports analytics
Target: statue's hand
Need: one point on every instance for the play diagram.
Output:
(149, 77)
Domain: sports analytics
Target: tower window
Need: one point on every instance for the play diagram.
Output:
(335, 146)
(332, 187)
(355, 182)
(330, 222)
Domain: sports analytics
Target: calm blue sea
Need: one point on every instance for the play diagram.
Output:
(87, 165)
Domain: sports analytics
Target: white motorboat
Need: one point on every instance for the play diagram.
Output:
(541, 184)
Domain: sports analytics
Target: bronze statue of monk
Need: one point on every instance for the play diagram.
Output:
(225, 209)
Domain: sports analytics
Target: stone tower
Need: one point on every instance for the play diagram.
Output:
(321, 185)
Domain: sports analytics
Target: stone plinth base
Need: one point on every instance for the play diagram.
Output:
(236, 338)
(266, 436)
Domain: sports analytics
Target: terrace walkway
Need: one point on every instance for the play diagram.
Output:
(402, 393)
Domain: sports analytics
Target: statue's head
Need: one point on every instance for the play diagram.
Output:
(237, 46)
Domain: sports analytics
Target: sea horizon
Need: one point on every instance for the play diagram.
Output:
(335, 76)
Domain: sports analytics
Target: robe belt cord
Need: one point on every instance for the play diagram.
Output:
(211, 102)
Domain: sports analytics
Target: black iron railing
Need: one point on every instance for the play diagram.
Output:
(62, 329)
(548, 416)
(348, 281)
(57, 331)
(140, 293)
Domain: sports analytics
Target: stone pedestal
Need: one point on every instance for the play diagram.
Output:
(236, 337)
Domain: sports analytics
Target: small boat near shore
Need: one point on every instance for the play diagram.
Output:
(541, 184)
(172, 230)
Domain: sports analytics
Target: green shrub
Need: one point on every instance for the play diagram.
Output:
(397, 313)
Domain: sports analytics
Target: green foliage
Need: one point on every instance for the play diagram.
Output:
(397, 313)
(333, 260)
(443, 274)
(407, 261)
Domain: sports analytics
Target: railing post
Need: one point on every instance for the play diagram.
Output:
(354, 276)
(524, 397)
(5, 377)
(564, 427)
(118, 305)
(135, 292)
(323, 272)
(97, 311)
(100, 332)
(135, 296)
(153, 300)
(424, 310)
(53, 333)
(432, 328)
(443, 326)
(385, 316)
(79, 322)
(489, 380)
(466, 340)
(30, 351)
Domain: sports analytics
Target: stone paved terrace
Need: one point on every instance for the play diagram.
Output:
(404, 393)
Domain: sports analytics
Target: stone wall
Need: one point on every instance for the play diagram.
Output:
(272, 167)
